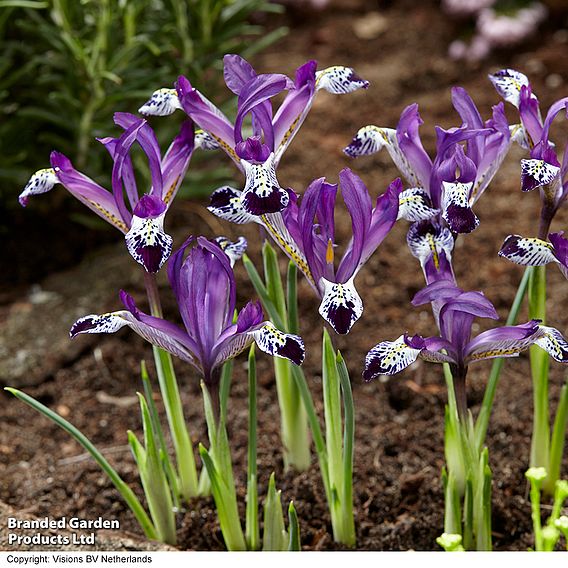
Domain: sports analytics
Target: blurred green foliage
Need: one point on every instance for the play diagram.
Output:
(67, 65)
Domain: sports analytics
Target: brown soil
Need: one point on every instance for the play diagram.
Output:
(399, 423)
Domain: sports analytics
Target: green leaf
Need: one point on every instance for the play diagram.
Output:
(275, 536)
(125, 491)
(294, 544)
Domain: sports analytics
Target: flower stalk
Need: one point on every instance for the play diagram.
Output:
(186, 468)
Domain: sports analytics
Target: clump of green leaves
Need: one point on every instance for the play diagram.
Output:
(67, 66)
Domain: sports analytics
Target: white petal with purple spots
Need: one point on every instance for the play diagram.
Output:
(527, 251)
(341, 305)
(205, 141)
(389, 358)
(536, 173)
(279, 344)
(553, 342)
(339, 80)
(41, 182)
(226, 203)
(262, 193)
(508, 83)
(163, 102)
(234, 250)
(423, 243)
(147, 242)
(457, 211)
(414, 204)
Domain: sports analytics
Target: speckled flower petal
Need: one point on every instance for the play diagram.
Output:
(339, 80)
(147, 242)
(389, 358)
(553, 342)
(278, 344)
(262, 193)
(226, 203)
(41, 182)
(536, 173)
(234, 250)
(425, 241)
(508, 84)
(457, 211)
(163, 102)
(414, 204)
(527, 251)
(205, 141)
(369, 140)
(519, 136)
(341, 305)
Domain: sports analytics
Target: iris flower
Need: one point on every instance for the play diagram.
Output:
(543, 169)
(305, 231)
(455, 345)
(204, 286)
(442, 190)
(142, 220)
(257, 156)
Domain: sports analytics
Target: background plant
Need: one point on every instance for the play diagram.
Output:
(67, 66)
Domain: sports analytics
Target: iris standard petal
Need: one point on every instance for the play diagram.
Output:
(339, 80)
(262, 193)
(163, 102)
(456, 209)
(341, 305)
(527, 251)
(237, 72)
(536, 173)
(414, 204)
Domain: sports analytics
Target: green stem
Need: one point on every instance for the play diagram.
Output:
(540, 443)
(187, 471)
(482, 421)
(252, 533)
(557, 442)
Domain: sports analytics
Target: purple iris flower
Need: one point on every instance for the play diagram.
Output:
(455, 345)
(444, 189)
(543, 169)
(537, 252)
(204, 286)
(258, 155)
(142, 220)
(305, 231)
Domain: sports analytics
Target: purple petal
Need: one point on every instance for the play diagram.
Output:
(207, 116)
(358, 202)
(560, 245)
(250, 316)
(529, 110)
(237, 72)
(88, 192)
(408, 138)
